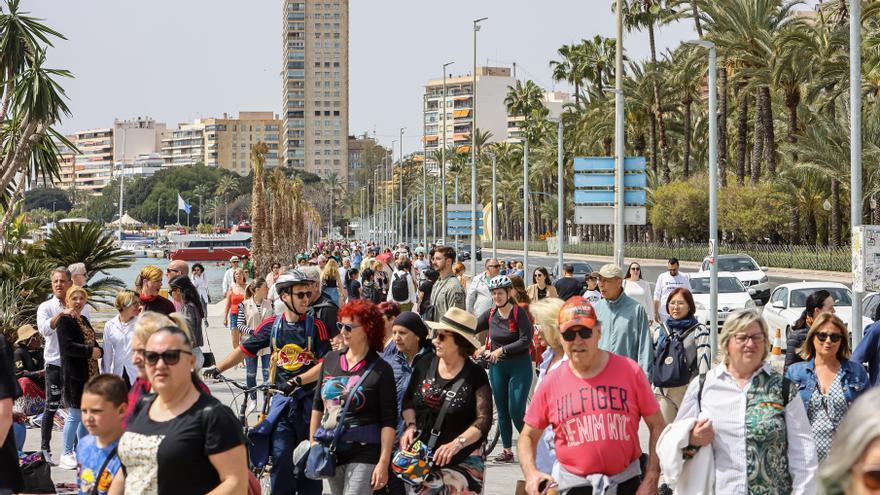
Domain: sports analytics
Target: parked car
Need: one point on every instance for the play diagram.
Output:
(581, 270)
(732, 296)
(743, 267)
(463, 251)
(787, 302)
(870, 305)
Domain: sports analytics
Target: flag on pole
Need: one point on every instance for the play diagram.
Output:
(183, 205)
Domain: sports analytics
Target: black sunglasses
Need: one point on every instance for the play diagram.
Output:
(301, 295)
(835, 337)
(171, 356)
(584, 332)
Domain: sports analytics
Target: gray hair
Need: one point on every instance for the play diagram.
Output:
(858, 430)
(737, 323)
(313, 273)
(62, 269)
(77, 268)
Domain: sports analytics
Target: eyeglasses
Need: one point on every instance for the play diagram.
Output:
(441, 336)
(742, 338)
(172, 270)
(870, 476)
(635, 269)
(170, 357)
(539, 275)
(301, 295)
(493, 266)
(835, 337)
(677, 303)
(348, 327)
(584, 332)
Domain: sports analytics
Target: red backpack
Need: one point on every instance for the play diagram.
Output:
(534, 349)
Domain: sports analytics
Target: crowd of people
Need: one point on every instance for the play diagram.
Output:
(390, 367)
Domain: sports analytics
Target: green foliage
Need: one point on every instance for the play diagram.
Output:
(47, 198)
(752, 213)
(682, 209)
(86, 243)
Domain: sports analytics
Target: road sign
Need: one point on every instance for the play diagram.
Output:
(458, 220)
(604, 215)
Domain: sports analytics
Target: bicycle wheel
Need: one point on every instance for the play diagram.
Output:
(263, 476)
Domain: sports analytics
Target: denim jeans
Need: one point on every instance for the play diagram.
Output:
(290, 431)
(53, 399)
(73, 430)
(251, 376)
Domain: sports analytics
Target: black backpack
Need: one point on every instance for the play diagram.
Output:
(399, 288)
(674, 366)
(370, 292)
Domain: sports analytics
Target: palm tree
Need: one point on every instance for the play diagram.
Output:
(227, 184)
(333, 184)
(262, 233)
(202, 191)
(571, 68)
(685, 77)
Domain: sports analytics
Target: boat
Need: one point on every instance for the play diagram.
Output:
(209, 247)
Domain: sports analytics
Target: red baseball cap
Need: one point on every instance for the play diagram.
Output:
(576, 312)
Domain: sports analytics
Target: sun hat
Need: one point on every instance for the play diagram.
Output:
(25, 332)
(609, 271)
(458, 321)
(576, 312)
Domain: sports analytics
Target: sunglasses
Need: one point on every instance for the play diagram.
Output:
(870, 476)
(172, 270)
(170, 357)
(348, 327)
(635, 269)
(301, 295)
(835, 337)
(442, 336)
(584, 332)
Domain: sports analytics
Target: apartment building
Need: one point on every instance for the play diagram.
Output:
(491, 89)
(315, 86)
(94, 166)
(554, 101)
(185, 145)
(228, 140)
(135, 137)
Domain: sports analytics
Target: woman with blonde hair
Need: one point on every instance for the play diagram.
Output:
(545, 314)
(828, 380)
(234, 296)
(458, 270)
(331, 283)
(149, 282)
(750, 416)
(118, 334)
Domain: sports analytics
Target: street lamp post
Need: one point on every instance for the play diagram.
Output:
(855, 148)
(526, 205)
(619, 139)
(494, 211)
(443, 161)
(400, 172)
(474, 225)
(560, 203)
(713, 194)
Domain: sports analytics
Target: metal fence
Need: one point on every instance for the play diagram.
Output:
(826, 258)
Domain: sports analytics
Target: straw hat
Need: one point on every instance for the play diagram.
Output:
(25, 332)
(458, 321)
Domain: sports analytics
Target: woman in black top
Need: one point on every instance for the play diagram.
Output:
(511, 369)
(79, 361)
(10, 474)
(179, 440)
(457, 454)
(364, 451)
(29, 371)
(185, 293)
(425, 289)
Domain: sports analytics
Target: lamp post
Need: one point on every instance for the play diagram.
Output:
(713, 194)
(855, 148)
(560, 203)
(474, 225)
(443, 161)
(400, 172)
(526, 205)
(494, 210)
(619, 139)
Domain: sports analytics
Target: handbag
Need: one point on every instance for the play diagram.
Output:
(413, 465)
(321, 459)
(37, 476)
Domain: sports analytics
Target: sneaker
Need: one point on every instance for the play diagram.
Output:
(504, 456)
(48, 457)
(68, 461)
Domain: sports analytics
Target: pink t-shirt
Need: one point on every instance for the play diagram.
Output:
(595, 420)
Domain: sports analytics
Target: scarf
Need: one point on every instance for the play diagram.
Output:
(146, 299)
(681, 325)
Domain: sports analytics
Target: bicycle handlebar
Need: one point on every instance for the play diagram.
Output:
(244, 388)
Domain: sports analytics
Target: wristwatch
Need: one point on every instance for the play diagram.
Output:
(462, 441)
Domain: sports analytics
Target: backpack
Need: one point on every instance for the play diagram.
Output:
(400, 287)
(513, 326)
(675, 360)
(370, 292)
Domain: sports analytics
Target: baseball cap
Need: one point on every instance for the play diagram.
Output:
(234, 258)
(576, 312)
(609, 271)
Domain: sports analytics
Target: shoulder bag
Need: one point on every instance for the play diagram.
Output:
(321, 458)
(414, 464)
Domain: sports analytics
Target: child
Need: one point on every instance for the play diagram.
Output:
(592, 293)
(104, 403)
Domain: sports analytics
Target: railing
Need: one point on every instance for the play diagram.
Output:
(826, 258)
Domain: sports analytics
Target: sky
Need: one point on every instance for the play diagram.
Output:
(179, 60)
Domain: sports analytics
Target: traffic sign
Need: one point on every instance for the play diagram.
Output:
(594, 195)
(604, 215)
(458, 220)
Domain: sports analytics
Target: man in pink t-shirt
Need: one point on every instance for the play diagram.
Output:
(594, 404)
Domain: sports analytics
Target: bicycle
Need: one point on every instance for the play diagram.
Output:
(494, 433)
(262, 474)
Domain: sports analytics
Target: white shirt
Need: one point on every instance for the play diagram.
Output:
(666, 283)
(410, 287)
(201, 283)
(724, 402)
(228, 280)
(641, 292)
(45, 312)
(117, 348)
(479, 297)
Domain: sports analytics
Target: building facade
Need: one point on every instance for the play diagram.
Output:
(492, 83)
(94, 165)
(185, 145)
(228, 140)
(315, 86)
(554, 101)
(135, 137)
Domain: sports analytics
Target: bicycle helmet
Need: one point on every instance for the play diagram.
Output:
(500, 282)
(289, 279)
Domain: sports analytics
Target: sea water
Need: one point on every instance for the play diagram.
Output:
(213, 271)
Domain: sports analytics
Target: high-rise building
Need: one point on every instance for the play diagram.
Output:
(492, 84)
(136, 137)
(358, 172)
(185, 146)
(554, 101)
(228, 141)
(94, 165)
(315, 86)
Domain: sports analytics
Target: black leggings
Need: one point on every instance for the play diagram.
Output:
(628, 487)
(53, 399)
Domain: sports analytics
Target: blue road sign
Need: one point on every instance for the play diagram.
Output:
(604, 163)
(582, 197)
(458, 220)
(607, 180)
(594, 181)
